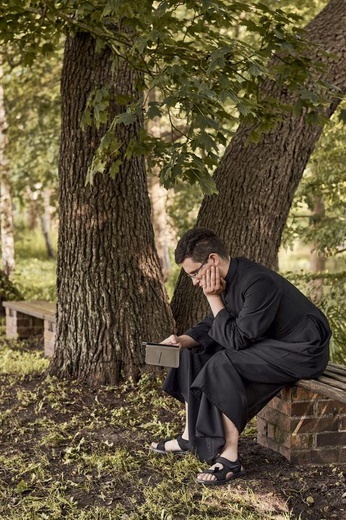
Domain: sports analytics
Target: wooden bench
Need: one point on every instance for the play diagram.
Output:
(31, 319)
(306, 422)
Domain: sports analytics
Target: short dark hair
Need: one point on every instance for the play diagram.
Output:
(197, 244)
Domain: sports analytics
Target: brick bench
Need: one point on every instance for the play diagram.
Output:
(306, 422)
(31, 319)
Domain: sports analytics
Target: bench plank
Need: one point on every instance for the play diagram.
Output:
(336, 369)
(38, 309)
(332, 375)
(332, 382)
(323, 389)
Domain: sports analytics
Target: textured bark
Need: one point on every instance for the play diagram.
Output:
(110, 290)
(257, 182)
(7, 240)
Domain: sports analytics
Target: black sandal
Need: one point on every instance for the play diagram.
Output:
(235, 468)
(183, 445)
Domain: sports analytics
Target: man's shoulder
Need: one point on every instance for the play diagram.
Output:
(242, 261)
(250, 268)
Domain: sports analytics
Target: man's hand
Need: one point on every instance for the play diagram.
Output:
(212, 282)
(183, 341)
(213, 286)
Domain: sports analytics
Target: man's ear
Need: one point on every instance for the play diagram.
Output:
(215, 257)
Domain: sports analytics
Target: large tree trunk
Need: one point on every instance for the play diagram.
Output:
(257, 182)
(110, 290)
(7, 240)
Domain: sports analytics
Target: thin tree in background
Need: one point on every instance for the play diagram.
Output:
(7, 240)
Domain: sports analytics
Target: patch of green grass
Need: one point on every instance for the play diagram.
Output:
(30, 243)
(36, 279)
(77, 453)
(35, 273)
(15, 359)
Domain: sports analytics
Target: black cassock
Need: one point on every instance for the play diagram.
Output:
(269, 335)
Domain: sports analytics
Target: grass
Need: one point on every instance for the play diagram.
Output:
(35, 274)
(68, 451)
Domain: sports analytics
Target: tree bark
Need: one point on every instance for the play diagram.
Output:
(7, 239)
(110, 288)
(257, 182)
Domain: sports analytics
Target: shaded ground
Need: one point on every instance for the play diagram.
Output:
(67, 451)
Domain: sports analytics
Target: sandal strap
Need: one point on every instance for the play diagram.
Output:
(161, 444)
(184, 445)
(228, 467)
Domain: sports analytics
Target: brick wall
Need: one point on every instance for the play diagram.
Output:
(304, 427)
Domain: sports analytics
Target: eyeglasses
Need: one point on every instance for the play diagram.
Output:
(195, 274)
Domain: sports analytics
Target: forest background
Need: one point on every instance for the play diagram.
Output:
(227, 117)
(182, 145)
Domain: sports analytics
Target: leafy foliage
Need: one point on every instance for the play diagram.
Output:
(324, 180)
(8, 291)
(35, 274)
(32, 103)
(332, 303)
(189, 52)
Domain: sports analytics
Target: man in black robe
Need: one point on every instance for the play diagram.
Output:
(261, 335)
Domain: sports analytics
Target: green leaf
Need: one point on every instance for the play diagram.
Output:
(342, 115)
(169, 101)
(126, 118)
(314, 118)
(47, 48)
(115, 167)
(205, 142)
(154, 110)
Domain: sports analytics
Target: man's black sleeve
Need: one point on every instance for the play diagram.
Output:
(200, 332)
(261, 302)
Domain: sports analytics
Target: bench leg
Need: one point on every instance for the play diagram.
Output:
(49, 338)
(19, 325)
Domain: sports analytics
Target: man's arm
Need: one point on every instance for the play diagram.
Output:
(183, 341)
(261, 302)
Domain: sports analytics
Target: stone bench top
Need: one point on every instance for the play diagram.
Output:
(38, 309)
(332, 383)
